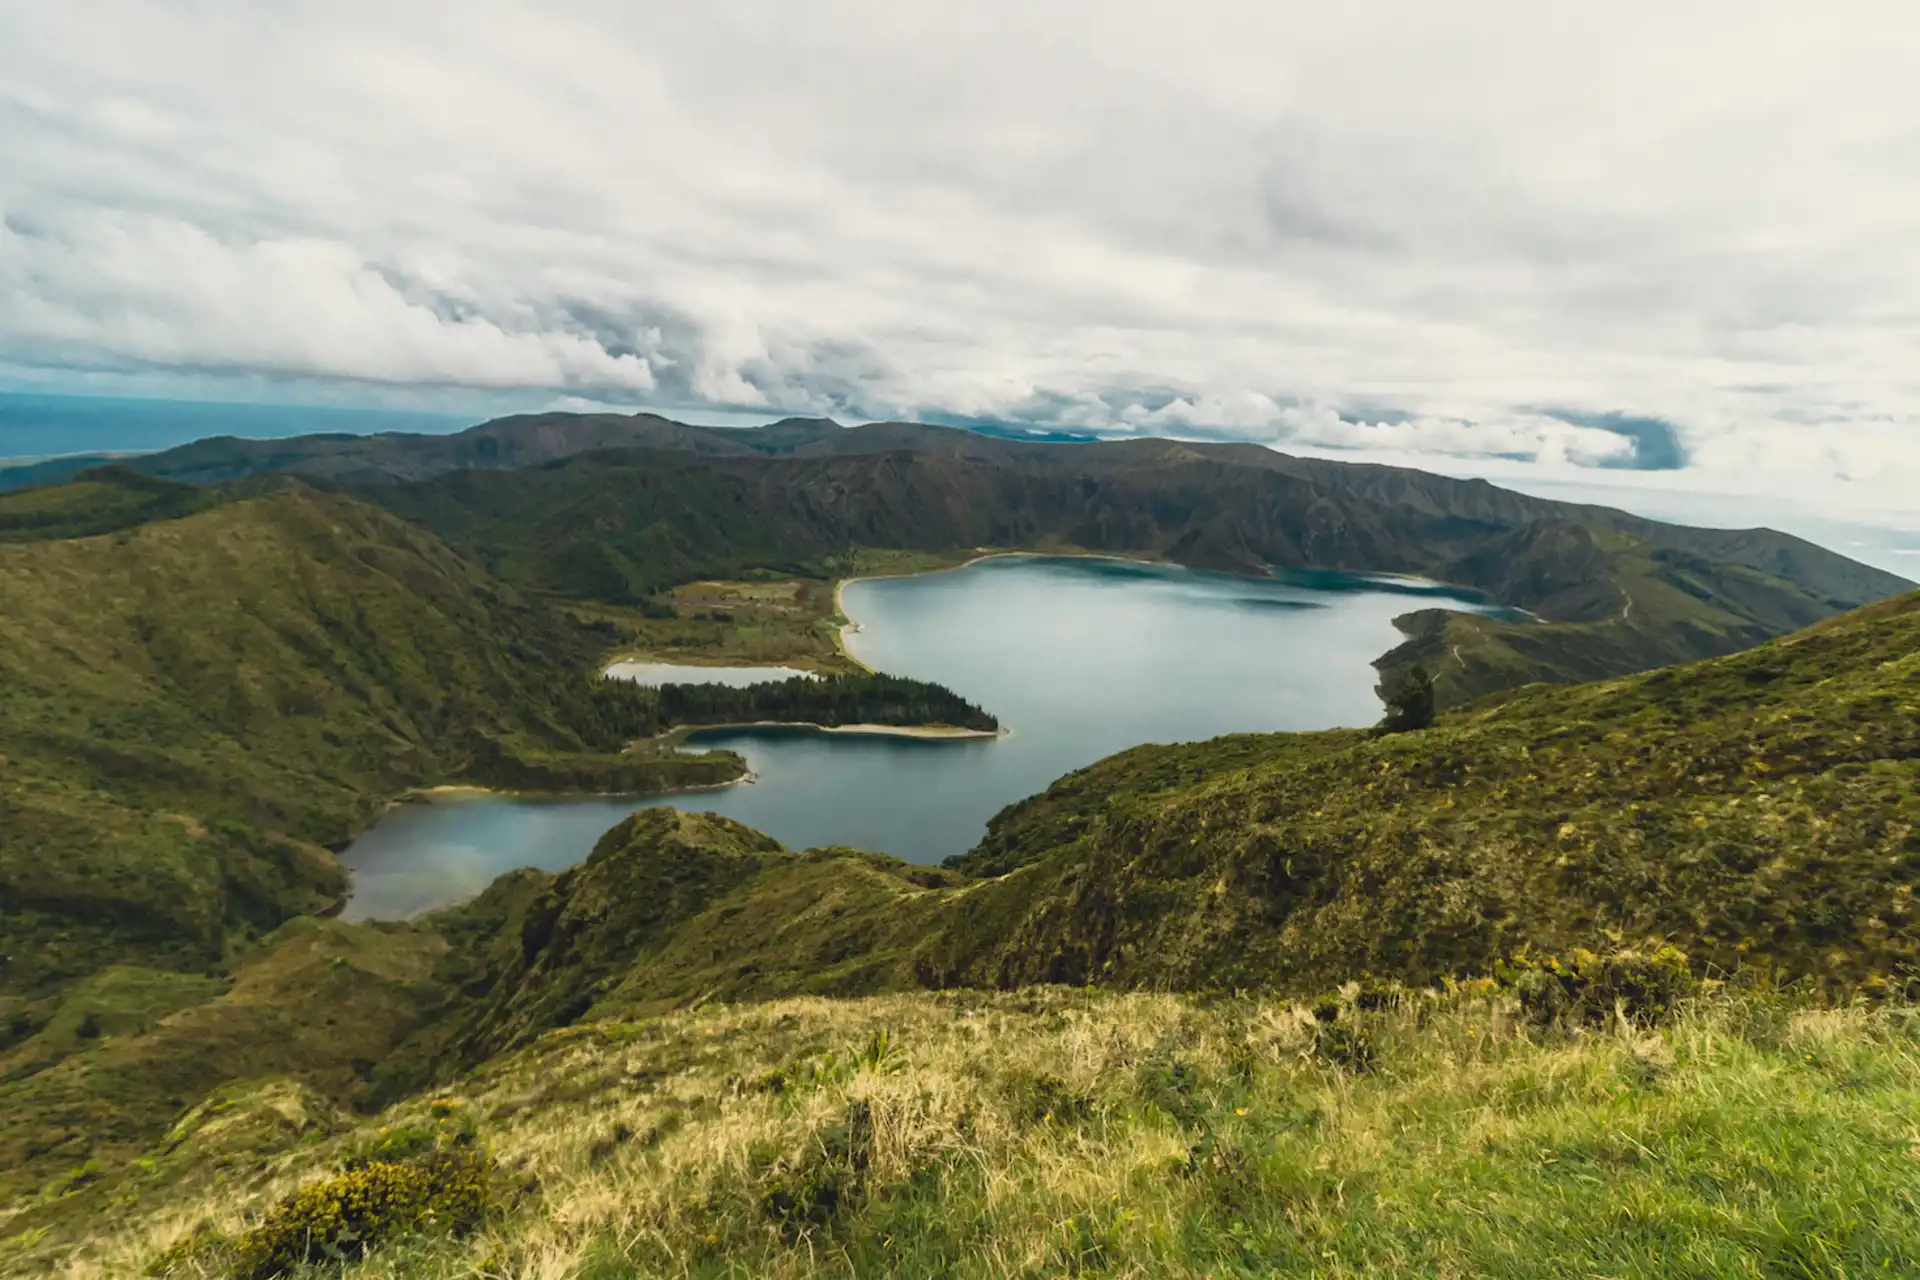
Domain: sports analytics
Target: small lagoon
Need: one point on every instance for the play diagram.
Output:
(658, 673)
(1078, 657)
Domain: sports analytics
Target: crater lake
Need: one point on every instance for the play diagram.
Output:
(1078, 657)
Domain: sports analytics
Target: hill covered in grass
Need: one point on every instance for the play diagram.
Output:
(97, 501)
(1058, 1132)
(192, 710)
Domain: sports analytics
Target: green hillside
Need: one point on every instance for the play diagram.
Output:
(192, 710)
(317, 1001)
(1611, 603)
(97, 501)
(1753, 809)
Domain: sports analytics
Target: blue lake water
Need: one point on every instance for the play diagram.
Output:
(1079, 658)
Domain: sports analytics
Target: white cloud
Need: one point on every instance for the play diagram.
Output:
(167, 293)
(1408, 229)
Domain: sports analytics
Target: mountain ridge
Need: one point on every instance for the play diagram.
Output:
(538, 439)
(622, 525)
(543, 501)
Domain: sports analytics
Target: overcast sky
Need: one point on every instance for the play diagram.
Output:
(1674, 236)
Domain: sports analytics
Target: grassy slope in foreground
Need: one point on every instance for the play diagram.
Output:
(1054, 1132)
(190, 710)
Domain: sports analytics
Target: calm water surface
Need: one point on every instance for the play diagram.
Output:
(1079, 658)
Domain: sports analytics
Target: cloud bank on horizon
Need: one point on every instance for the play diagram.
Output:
(1642, 235)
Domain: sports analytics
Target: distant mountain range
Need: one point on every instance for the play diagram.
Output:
(525, 440)
(614, 508)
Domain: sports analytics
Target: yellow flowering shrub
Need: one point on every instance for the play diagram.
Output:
(342, 1218)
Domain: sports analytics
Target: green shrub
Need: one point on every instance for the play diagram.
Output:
(344, 1217)
(392, 1146)
(1588, 989)
(1045, 1099)
(453, 1127)
(1410, 701)
(828, 1179)
(1376, 994)
(1175, 1087)
(880, 1054)
(1345, 1045)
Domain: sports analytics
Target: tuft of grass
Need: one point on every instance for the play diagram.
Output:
(1592, 989)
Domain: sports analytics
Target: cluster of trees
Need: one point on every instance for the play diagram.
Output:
(619, 710)
(1409, 697)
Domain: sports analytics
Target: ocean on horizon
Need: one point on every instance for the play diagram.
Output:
(36, 425)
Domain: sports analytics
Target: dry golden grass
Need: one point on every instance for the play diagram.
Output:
(1060, 1132)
